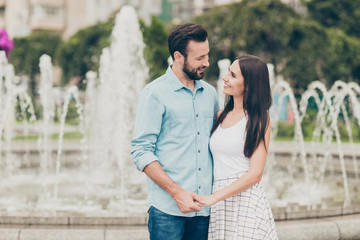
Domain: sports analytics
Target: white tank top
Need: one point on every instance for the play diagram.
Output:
(227, 148)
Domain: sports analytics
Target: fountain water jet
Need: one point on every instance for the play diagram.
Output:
(285, 90)
(102, 175)
(72, 92)
(327, 122)
(48, 104)
(122, 76)
(11, 94)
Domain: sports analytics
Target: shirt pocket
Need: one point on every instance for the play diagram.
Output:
(181, 124)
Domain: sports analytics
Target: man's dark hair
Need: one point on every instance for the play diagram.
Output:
(181, 35)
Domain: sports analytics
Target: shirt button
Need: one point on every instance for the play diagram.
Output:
(199, 168)
(197, 115)
(199, 187)
(198, 151)
(198, 133)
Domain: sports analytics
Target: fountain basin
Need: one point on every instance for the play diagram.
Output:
(87, 195)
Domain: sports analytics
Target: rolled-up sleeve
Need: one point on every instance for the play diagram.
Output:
(148, 123)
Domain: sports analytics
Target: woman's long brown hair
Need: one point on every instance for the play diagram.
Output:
(256, 103)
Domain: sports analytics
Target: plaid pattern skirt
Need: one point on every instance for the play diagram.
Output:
(244, 216)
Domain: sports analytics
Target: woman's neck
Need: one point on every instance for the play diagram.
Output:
(238, 105)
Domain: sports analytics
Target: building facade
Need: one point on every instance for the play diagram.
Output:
(21, 17)
(182, 10)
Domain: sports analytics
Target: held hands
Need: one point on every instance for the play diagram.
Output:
(191, 202)
(205, 200)
(185, 201)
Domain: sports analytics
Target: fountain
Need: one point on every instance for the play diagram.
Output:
(316, 185)
(122, 76)
(94, 177)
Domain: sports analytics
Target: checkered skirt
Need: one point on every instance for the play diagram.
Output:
(244, 216)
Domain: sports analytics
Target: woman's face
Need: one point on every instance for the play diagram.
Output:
(234, 81)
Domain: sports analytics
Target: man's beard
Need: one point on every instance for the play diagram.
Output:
(192, 74)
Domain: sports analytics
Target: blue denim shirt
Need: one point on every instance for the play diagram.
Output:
(173, 127)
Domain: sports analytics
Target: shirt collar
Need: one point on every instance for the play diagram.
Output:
(176, 84)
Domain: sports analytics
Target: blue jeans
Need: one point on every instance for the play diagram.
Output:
(164, 226)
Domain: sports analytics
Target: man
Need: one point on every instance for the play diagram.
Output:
(174, 118)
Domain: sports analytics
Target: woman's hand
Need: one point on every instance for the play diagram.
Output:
(205, 200)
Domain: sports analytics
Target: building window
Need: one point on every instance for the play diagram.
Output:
(52, 11)
(40, 11)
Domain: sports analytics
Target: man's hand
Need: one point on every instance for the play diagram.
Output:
(185, 201)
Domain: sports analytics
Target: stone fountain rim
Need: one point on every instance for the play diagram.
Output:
(280, 214)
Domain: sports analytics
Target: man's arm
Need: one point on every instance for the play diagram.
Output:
(147, 128)
(184, 199)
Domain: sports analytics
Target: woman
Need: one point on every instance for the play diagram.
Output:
(239, 143)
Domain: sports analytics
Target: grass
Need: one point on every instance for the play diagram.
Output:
(286, 131)
(67, 136)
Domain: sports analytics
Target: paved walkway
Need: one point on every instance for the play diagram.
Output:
(337, 228)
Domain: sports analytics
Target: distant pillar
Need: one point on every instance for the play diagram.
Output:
(224, 65)
(271, 73)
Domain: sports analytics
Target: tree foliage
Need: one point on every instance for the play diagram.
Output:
(344, 14)
(156, 51)
(81, 53)
(28, 50)
(301, 49)
(323, 46)
(342, 58)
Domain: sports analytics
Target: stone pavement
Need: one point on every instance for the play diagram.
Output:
(337, 228)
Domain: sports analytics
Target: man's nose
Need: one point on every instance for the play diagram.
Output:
(206, 63)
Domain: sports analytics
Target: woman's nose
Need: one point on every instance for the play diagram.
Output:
(224, 78)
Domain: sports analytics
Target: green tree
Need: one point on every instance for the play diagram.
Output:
(28, 50)
(305, 54)
(261, 28)
(342, 57)
(344, 14)
(81, 53)
(156, 51)
(301, 49)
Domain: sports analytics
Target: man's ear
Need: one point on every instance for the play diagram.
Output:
(178, 56)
